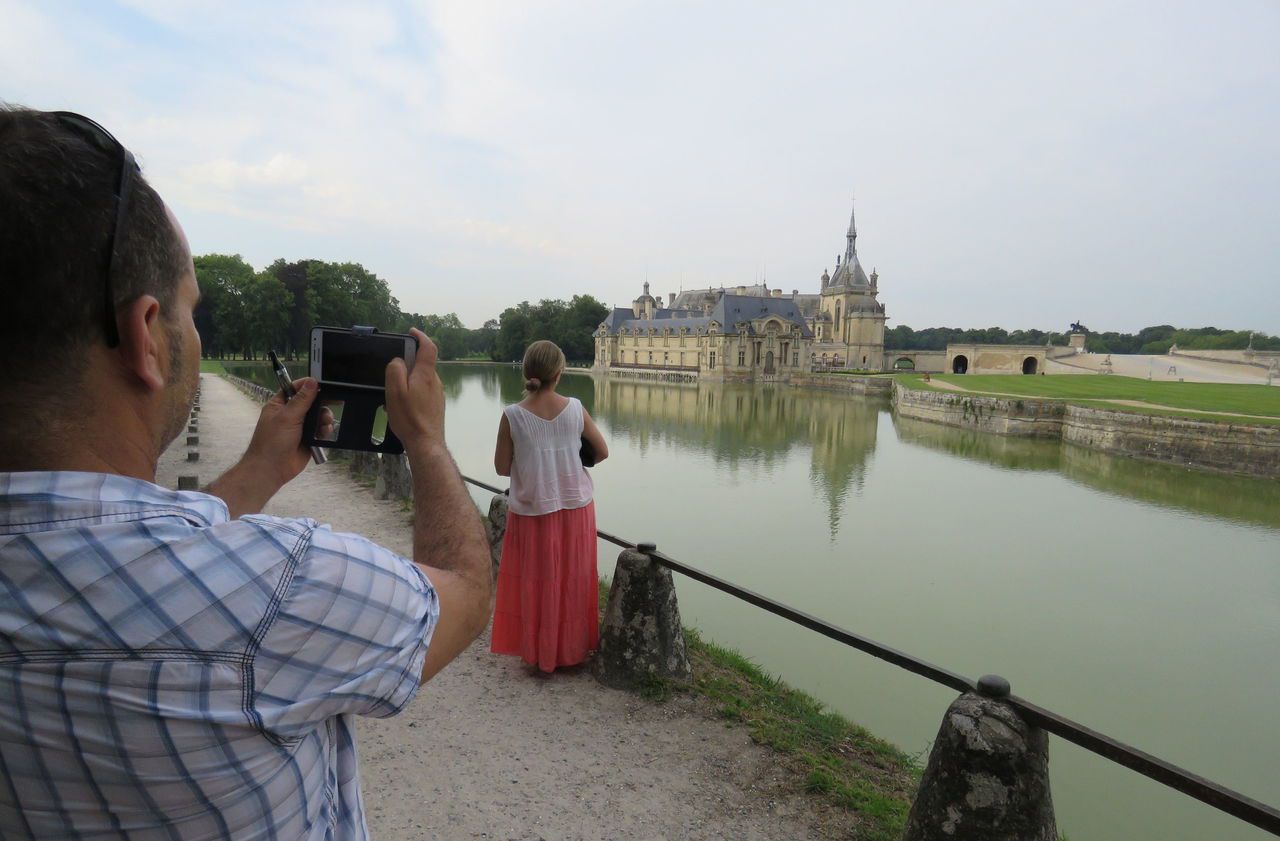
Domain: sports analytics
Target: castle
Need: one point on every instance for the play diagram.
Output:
(752, 332)
(758, 333)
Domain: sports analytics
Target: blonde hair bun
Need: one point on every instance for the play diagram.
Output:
(543, 364)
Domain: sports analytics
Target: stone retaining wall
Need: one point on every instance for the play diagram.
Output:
(877, 386)
(1256, 358)
(1025, 418)
(1225, 447)
(1242, 448)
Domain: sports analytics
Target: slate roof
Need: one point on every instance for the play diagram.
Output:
(729, 310)
(734, 308)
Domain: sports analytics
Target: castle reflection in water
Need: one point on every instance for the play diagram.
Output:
(764, 426)
(761, 425)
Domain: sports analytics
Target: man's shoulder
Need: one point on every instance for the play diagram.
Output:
(300, 526)
(316, 540)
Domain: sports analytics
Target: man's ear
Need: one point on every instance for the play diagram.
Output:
(142, 343)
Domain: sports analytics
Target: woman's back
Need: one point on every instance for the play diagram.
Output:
(546, 472)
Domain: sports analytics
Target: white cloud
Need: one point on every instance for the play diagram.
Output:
(1016, 164)
(281, 170)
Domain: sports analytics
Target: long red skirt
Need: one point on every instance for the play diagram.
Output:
(548, 589)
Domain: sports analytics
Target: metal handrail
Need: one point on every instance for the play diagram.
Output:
(1206, 791)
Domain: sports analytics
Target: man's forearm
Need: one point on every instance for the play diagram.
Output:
(447, 532)
(245, 489)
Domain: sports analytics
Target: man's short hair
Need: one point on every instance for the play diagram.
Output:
(57, 201)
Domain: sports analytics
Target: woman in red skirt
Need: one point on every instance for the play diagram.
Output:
(548, 588)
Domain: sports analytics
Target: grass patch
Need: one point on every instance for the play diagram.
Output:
(833, 758)
(212, 366)
(1086, 389)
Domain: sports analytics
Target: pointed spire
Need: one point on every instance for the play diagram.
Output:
(852, 249)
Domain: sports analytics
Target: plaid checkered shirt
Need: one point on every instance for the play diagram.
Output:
(169, 673)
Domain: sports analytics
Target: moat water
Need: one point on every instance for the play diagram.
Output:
(1141, 600)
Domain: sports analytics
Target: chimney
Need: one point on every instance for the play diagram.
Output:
(777, 293)
(671, 300)
(795, 292)
(742, 290)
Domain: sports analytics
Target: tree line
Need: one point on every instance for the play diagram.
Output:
(1151, 340)
(243, 313)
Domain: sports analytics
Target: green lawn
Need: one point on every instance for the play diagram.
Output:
(212, 366)
(1087, 388)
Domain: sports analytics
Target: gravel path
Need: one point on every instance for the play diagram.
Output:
(488, 751)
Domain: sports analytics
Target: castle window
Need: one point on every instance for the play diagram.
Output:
(742, 357)
(795, 359)
(713, 359)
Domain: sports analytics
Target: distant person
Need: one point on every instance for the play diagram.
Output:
(176, 664)
(548, 588)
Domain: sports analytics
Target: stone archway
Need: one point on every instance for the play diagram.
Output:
(1029, 365)
(768, 363)
(960, 365)
(904, 364)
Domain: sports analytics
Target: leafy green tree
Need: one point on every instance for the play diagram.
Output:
(515, 327)
(580, 319)
(483, 342)
(267, 304)
(301, 314)
(223, 280)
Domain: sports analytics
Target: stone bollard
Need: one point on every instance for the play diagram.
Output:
(495, 527)
(641, 637)
(193, 455)
(364, 464)
(394, 479)
(188, 483)
(193, 440)
(988, 775)
(191, 427)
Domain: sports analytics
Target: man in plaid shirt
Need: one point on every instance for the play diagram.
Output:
(177, 665)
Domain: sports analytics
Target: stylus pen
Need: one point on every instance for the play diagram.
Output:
(286, 386)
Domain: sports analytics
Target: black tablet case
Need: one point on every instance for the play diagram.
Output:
(359, 409)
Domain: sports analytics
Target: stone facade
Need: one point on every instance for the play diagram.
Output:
(925, 361)
(996, 359)
(742, 337)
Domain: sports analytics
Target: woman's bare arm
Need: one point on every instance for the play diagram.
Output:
(592, 433)
(505, 451)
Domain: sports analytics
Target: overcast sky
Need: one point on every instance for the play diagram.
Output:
(1015, 164)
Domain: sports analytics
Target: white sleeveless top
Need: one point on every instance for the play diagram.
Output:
(547, 473)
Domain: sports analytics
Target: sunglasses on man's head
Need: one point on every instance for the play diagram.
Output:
(103, 139)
